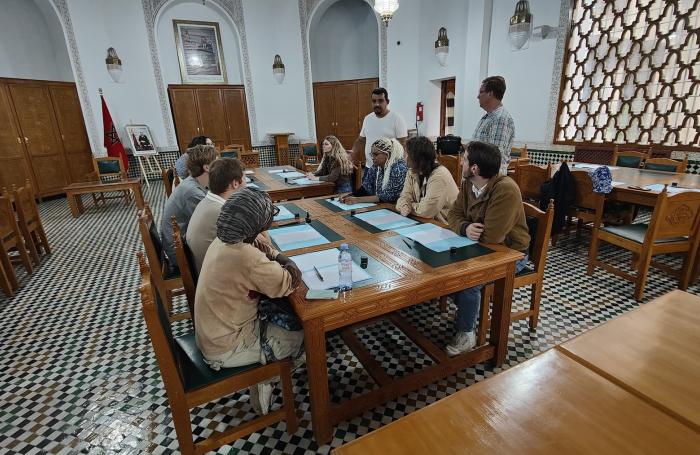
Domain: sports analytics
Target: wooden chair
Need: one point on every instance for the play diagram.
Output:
(453, 163)
(540, 227)
(666, 164)
(7, 287)
(29, 221)
(530, 178)
(11, 239)
(309, 157)
(189, 382)
(674, 228)
(588, 206)
(109, 168)
(519, 152)
(629, 158)
(167, 283)
(231, 151)
(170, 180)
(185, 261)
(250, 159)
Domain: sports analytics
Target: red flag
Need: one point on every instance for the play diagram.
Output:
(112, 141)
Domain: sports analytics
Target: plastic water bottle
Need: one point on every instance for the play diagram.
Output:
(345, 272)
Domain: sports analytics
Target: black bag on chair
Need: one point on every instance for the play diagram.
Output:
(449, 145)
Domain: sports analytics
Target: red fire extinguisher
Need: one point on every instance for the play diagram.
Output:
(419, 112)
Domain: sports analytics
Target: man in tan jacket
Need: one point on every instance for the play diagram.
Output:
(488, 209)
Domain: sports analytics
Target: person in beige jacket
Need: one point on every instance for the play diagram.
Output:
(429, 190)
(236, 272)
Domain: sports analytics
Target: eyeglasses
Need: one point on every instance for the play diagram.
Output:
(275, 211)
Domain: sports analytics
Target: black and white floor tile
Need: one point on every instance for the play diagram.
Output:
(78, 374)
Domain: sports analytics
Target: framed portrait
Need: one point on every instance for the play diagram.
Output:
(141, 140)
(199, 52)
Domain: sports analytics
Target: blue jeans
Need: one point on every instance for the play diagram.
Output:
(344, 188)
(468, 300)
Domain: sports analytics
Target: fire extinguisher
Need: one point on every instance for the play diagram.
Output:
(419, 112)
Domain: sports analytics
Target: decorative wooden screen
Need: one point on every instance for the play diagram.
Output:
(632, 74)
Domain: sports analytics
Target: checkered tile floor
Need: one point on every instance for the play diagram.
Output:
(78, 374)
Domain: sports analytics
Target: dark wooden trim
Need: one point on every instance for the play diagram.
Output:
(201, 86)
(348, 81)
(11, 80)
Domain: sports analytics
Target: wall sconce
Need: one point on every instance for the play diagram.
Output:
(520, 27)
(386, 9)
(442, 46)
(278, 69)
(114, 65)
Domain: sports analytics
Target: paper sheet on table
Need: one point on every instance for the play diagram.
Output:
(291, 174)
(297, 236)
(385, 219)
(326, 261)
(284, 214)
(435, 237)
(248, 171)
(359, 205)
(614, 183)
(248, 180)
(275, 171)
(252, 185)
(669, 189)
(306, 181)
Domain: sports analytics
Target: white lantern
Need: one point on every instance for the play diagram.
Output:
(520, 27)
(278, 69)
(386, 9)
(114, 65)
(442, 46)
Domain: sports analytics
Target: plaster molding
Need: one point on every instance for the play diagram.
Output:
(61, 7)
(564, 23)
(383, 80)
(234, 9)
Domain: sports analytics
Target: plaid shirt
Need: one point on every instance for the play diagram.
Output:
(496, 127)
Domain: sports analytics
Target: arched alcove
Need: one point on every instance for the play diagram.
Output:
(33, 45)
(344, 41)
(191, 10)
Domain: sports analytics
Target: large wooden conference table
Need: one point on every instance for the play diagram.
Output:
(399, 280)
(280, 189)
(627, 386)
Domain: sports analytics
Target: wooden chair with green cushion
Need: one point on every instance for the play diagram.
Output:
(109, 168)
(539, 224)
(190, 382)
(453, 163)
(166, 279)
(530, 178)
(588, 206)
(674, 228)
(231, 151)
(11, 240)
(185, 263)
(309, 157)
(519, 152)
(629, 158)
(666, 164)
(29, 221)
(170, 180)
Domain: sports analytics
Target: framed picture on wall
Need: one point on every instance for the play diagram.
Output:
(141, 140)
(199, 52)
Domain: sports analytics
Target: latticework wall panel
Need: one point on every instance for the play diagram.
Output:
(632, 74)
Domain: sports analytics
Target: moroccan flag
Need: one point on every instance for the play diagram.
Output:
(112, 142)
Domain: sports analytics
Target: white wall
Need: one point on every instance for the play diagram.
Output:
(27, 29)
(194, 10)
(402, 61)
(279, 108)
(344, 42)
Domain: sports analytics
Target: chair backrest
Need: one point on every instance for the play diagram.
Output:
(160, 332)
(453, 163)
(519, 152)
(675, 215)
(25, 205)
(168, 176)
(666, 164)
(109, 167)
(250, 159)
(584, 197)
(629, 158)
(238, 148)
(530, 178)
(449, 145)
(8, 223)
(185, 264)
(540, 227)
(309, 150)
(228, 153)
(151, 243)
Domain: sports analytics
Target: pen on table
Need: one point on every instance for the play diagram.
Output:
(318, 274)
(407, 244)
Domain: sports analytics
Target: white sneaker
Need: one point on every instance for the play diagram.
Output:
(462, 342)
(261, 398)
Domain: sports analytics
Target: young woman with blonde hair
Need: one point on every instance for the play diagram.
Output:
(335, 165)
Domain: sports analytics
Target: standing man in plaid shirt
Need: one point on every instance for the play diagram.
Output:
(496, 127)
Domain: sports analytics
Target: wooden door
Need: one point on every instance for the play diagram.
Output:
(37, 123)
(212, 117)
(237, 116)
(14, 168)
(183, 104)
(364, 97)
(346, 113)
(77, 153)
(324, 110)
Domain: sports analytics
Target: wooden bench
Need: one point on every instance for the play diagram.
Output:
(74, 192)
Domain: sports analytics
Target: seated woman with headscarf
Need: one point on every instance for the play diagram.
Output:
(384, 181)
(236, 271)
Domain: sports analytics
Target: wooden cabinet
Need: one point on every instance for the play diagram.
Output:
(340, 107)
(216, 111)
(43, 135)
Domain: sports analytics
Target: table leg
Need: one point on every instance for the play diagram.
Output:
(138, 195)
(72, 205)
(79, 203)
(500, 320)
(315, 345)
